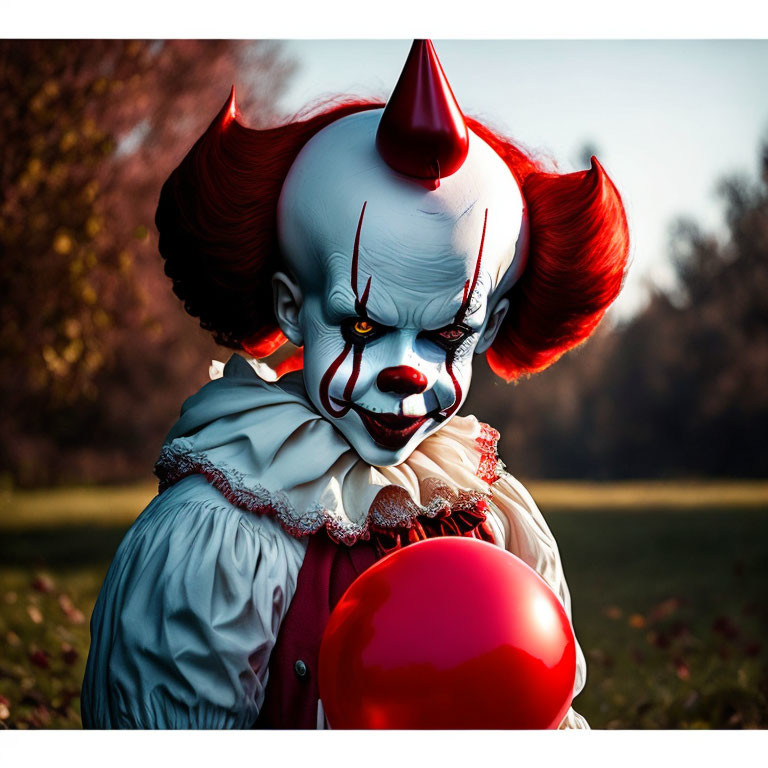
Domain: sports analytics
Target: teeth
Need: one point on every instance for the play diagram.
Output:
(414, 406)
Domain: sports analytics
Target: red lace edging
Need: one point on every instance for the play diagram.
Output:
(468, 520)
(489, 466)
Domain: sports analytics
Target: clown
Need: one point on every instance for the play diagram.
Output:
(357, 260)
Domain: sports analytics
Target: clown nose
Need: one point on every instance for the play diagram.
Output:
(448, 633)
(401, 380)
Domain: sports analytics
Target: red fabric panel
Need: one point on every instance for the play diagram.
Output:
(328, 569)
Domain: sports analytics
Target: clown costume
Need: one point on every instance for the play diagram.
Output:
(356, 260)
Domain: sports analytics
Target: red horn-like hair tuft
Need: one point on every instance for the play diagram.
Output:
(228, 112)
(579, 250)
(422, 132)
(217, 220)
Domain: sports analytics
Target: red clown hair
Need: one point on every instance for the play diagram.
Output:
(217, 219)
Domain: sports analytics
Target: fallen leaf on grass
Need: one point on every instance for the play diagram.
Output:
(43, 583)
(681, 669)
(742, 677)
(5, 708)
(74, 614)
(69, 654)
(636, 620)
(35, 614)
(39, 659)
(612, 612)
(664, 609)
(41, 717)
(65, 603)
(11, 598)
(13, 639)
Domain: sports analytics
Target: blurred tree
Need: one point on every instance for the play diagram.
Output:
(692, 369)
(680, 390)
(96, 353)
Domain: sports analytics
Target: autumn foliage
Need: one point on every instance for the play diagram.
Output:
(96, 354)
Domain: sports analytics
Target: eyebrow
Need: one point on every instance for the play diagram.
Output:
(340, 301)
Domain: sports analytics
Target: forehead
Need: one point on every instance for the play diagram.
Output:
(412, 274)
(419, 246)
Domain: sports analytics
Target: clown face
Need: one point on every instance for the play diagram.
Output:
(393, 284)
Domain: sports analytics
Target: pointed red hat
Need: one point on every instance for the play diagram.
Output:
(422, 132)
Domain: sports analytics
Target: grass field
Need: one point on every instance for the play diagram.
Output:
(669, 586)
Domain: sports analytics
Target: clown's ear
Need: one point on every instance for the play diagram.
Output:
(578, 255)
(287, 303)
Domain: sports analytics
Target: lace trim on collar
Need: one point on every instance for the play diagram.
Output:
(392, 508)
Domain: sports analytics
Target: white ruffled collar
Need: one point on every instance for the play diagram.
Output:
(267, 450)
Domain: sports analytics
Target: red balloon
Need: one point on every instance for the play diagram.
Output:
(448, 633)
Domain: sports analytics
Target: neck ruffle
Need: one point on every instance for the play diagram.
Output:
(266, 449)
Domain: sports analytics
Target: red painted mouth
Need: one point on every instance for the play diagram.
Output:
(387, 429)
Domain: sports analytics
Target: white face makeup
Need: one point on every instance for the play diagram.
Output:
(398, 284)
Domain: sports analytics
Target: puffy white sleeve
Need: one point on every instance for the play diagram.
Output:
(188, 615)
(520, 526)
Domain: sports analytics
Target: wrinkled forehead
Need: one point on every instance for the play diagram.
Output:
(341, 204)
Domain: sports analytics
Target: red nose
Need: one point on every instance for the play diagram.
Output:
(402, 380)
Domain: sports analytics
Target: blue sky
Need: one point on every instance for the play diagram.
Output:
(669, 117)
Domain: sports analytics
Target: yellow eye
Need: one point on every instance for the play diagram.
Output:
(363, 327)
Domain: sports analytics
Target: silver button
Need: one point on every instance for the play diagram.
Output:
(300, 668)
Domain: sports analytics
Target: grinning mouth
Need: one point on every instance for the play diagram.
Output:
(388, 429)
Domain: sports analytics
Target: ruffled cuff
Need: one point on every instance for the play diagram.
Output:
(574, 720)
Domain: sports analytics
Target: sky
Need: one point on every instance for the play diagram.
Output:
(668, 118)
